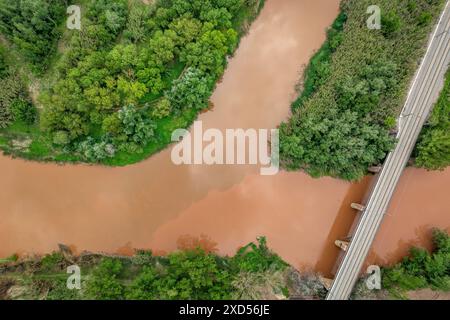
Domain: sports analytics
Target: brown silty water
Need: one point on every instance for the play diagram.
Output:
(158, 205)
(420, 204)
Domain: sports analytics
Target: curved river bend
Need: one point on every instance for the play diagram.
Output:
(158, 205)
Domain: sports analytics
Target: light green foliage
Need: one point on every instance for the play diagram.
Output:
(162, 109)
(433, 148)
(104, 283)
(187, 275)
(139, 23)
(136, 126)
(353, 89)
(257, 258)
(191, 90)
(52, 262)
(10, 89)
(61, 138)
(94, 151)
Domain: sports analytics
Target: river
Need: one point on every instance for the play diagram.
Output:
(158, 205)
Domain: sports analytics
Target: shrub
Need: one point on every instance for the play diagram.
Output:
(10, 89)
(188, 275)
(3, 66)
(257, 258)
(135, 125)
(422, 269)
(433, 147)
(52, 262)
(104, 283)
(23, 111)
(61, 138)
(162, 109)
(191, 91)
(390, 23)
(93, 151)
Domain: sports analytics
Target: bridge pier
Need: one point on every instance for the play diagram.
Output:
(358, 207)
(343, 245)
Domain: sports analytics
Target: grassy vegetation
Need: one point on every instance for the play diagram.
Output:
(160, 61)
(355, 87)
(317, 70)
(421, 269)
(433, 148)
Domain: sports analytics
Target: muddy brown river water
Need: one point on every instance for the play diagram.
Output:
(158, 205)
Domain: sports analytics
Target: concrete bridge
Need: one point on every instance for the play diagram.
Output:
(423, 94)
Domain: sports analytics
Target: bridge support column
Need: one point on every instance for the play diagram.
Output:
(375, 169)
(342, 244)
(327, 283)
(358, 207)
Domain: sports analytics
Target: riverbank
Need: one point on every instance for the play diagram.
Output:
(254, 272)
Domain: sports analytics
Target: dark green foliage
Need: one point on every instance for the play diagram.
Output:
(339, 144)
(24, 111)
(52, 262)
(192, 90)
(354, 88)
(192, 274)
(422, 269)
(137, 129)
(390, 23)
(139, 23)
(257, 258)
(32, 25)
(10, 89)
(3, 65)
(433, 148)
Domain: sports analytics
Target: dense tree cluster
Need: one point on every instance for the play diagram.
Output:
(422, 269)
(32, 25)
(184, 275)
(354, 89)
(14, 105)
(125, 61)
(433, 148)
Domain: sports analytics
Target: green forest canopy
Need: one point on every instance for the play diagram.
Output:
(354, 89)
(433, 148)
(133, 72)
